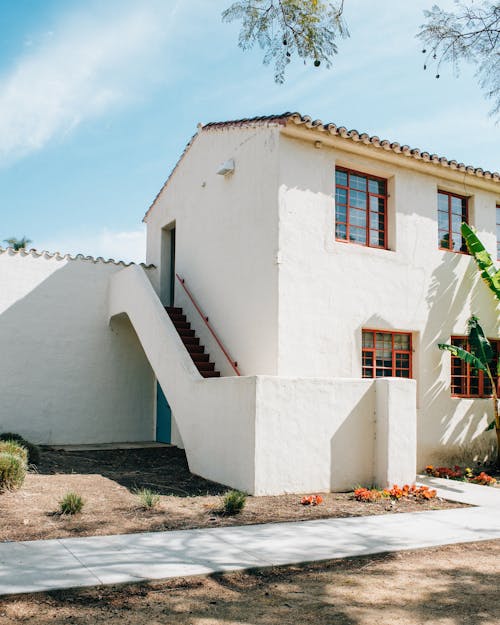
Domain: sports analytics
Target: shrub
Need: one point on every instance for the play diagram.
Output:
(234, 501)
(33, 450)
(14, 448)
(71, 503)
(12, 471)
(148, 498)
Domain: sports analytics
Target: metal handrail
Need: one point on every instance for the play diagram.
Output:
(232, 362)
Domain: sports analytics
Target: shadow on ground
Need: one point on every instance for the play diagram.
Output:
(162, 469)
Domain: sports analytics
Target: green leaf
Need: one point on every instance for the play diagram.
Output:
(464, 355)
(479, 344)
(489, 273)
(491, 426)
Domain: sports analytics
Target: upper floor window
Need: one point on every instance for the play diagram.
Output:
(452, 211)
(498, 231)
(360, 208)
(466, 381)
(386, 354)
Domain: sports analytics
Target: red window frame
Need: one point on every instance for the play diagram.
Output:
(449, 231)
(498, 230)
(370, 214)
(370, 353)
(471, 384)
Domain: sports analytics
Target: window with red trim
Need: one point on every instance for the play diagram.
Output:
(452, 211)
(498, 231)
(466, 381)
(386, 354)
(360, 208)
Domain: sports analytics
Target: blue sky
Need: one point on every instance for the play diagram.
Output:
(98, 99)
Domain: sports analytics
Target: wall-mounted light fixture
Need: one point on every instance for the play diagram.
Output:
(226, 168)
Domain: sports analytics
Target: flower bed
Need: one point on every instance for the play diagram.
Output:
(395, 493)
(462, 475)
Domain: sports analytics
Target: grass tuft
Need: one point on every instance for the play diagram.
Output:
(148, 498)
(33, 450)
(233, 502)
(12, 471)
(71, 503)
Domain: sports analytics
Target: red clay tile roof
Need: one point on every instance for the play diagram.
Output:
(341, 131)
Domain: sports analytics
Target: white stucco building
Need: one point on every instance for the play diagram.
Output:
(329, 264)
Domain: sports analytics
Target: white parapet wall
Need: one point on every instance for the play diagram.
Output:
(267, 434)
(65, 375)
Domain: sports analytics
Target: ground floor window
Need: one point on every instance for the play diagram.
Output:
(466, 381)
(386, 354)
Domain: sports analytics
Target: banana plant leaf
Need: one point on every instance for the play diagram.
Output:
(464, 355)
(479, 344)
(489, 273)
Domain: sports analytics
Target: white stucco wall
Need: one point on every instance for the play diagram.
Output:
(330, 291)
(226, 242)
(65, 375)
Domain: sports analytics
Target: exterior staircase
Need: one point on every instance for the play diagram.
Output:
(192, 343)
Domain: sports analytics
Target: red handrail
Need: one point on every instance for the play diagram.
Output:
(232, 362)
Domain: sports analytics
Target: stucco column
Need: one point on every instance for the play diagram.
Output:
(396, 432)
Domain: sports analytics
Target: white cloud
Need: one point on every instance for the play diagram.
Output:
(128, 245)
(89, 63)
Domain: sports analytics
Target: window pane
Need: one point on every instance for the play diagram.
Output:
(377, 221)
(357, 182)
(367, 339)
(456, 222)
(376, 186)
(341, 214)
(377, 238)
(341, 231)
(402, 341)
(458, 243)
(357, 235)
(341, 177)
(443, 221)
(498, 215)
(442, 202)
(357, 199)
(444, 239)
(340, 196)
(458, 206)
(357, 217)
(377, 204)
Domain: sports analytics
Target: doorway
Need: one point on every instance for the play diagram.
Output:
(167, 287)
(163, 417)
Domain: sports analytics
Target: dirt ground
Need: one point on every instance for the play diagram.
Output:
(107, 479)
(453, 585)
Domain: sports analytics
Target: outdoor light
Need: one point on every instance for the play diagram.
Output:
(226, 168)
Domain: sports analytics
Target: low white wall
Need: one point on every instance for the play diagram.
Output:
(396, 426)
(65, 376)
(325, 435)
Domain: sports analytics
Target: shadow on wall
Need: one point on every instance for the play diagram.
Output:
(65, 376)
(461, 421)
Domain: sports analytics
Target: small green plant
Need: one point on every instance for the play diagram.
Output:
(12, 471)
(71, 503)
(14, 448)
(234, 501)
(148, 498)
(33, 451)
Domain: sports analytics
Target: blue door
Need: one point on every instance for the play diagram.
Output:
(163, 417)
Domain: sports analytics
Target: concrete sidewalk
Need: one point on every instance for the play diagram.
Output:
(72, 562)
